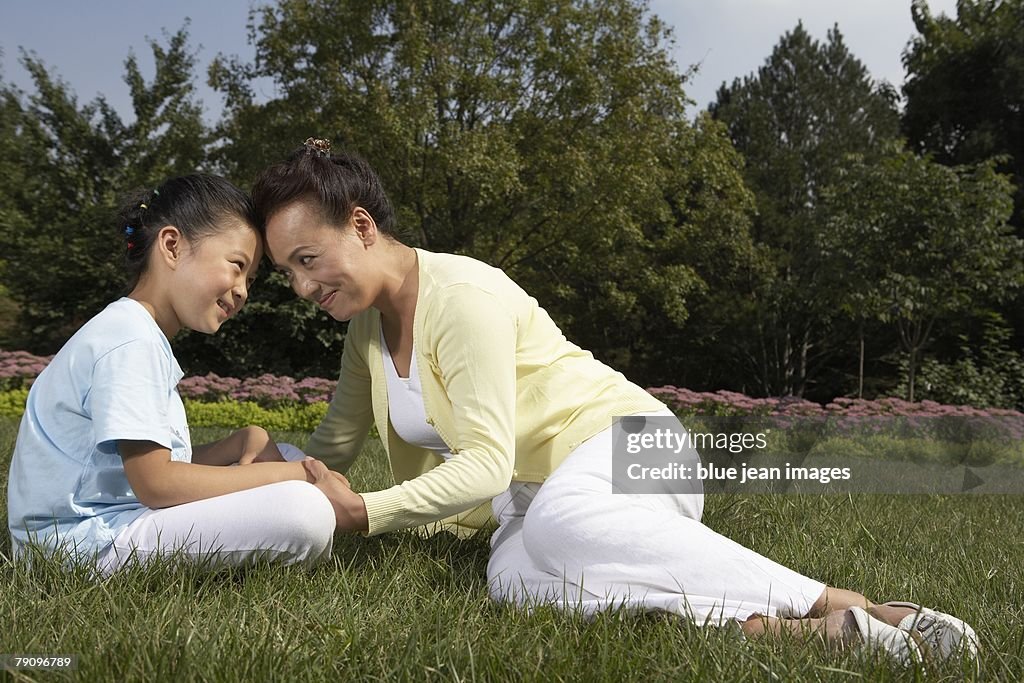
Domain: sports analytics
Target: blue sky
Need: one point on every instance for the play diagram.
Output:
(86, 42)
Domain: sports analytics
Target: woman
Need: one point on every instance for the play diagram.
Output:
(482, 405)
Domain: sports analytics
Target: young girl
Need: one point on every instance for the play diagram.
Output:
(104, 467)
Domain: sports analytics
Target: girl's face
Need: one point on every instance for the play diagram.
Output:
(330, 266)
(212, 280)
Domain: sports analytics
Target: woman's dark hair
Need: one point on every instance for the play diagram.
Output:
(197, 204)
(335, 184)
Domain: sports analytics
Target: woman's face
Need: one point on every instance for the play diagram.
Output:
(330, 266)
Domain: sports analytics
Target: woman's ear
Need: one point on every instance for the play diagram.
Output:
(170, 245)
(365, 226)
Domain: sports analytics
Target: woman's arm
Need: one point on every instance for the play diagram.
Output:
(475, 349)
(158, 481)
(247, 445)
(339, 437)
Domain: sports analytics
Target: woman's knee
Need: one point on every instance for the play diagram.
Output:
(549, 528)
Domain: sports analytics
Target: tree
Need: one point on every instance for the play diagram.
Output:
(546, 138)
(965, 87)
(918, 242)
(986, 373)
(794, 121)
(13, 173)
(67, 165)
(965, 98)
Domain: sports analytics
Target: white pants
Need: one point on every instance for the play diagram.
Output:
(574, 543)
(288, 522)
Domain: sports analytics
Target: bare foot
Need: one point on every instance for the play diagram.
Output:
(890, 615)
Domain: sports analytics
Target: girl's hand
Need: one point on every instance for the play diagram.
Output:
(257, 446)
(349, 509)
(160, 482)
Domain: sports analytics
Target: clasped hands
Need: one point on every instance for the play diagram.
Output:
(349, 509)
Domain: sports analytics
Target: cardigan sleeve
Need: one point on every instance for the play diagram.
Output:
(339, 437)
(473, 342)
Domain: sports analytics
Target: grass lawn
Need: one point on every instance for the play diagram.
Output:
(397, 607)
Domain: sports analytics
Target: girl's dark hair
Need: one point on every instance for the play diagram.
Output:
(197, 204)
(335, 184)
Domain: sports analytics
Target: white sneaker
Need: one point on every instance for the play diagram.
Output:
(876, 634)
(942, 635)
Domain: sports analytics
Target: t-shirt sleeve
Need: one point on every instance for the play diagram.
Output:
(129, 395)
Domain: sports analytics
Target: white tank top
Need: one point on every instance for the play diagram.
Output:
(405, 405)
(409, 419)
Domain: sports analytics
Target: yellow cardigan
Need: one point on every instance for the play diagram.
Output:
(505, 390)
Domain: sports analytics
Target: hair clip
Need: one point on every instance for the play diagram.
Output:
(143, 207)
(131, 245)
(320, 147)
(129, 230)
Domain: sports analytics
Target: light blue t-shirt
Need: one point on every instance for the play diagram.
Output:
(116, 378)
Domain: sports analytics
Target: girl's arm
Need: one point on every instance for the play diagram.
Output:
(251, 444)
(158, 481)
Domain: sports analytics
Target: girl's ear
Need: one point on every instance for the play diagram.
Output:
(364, 225)
(170, 245)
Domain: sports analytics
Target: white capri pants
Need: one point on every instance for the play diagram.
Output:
(574, 543)
(289, 522)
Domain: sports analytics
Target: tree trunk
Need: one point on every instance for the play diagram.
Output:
(801, 377)
(787, 363)
(911, 372)
(860, 369)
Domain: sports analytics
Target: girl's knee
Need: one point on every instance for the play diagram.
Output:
(305, 515)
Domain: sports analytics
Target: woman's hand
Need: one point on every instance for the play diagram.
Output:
(349, 509)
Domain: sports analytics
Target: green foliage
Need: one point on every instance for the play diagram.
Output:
(978, 453)
(916, 241)
(233, 414)
(65, 167)
(66, 164)
(988, 374)
(8, 319)
(965, 98)
(548, 139)
(294, 418)
(793, 121)
(12, 402)
(965, 86)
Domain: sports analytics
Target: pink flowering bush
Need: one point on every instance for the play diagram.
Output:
(853, 415)
(19, 368)
(265, 390)
(725, 403)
